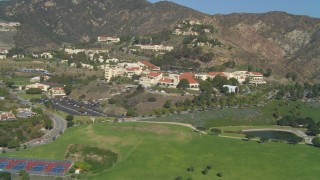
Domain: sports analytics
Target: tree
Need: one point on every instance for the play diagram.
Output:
(152, 99)
(140, 88)
(24, 175)
(230, 64)
(263, 140)
(68, 89)
(316, 142)
(34, 91)
(295, 139)
(168, 104)
(69, 117)
(204, 172)
(135, 77)
(250, 68)
(9, 84)
(215, 131)
(13, 144)
(249, 136)
(70, 123)
(131, 113)
(268, 72)
(183, 84)
(233, 81)
(5, 176)
(247, 80)
(207, 57)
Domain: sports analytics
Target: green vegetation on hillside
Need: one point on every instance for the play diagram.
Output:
(14, 133)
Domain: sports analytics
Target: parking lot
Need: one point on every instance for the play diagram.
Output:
(75, 107)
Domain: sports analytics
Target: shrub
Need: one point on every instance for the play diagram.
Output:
(178, 178)
(112, 101)
(209, 166)
(152, 99)
(215, 131)
(219, 174)
(190, 169)
(83, 165)
(5, 176)
(34, 91)
(316, 141)
(204, 172)
(69, 117)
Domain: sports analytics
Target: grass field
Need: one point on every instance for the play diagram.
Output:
(150, 151)
(29, 96)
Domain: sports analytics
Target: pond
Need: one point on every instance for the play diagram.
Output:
(274, 135)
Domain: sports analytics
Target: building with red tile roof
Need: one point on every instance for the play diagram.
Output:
(190, 77)
(149, 65)
(214, 74)
(150, 79)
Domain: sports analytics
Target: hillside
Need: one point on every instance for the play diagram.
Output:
(284, 42)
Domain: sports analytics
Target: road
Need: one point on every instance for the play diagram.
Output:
(59, 125)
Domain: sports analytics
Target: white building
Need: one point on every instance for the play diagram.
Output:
(38, 78)
(133, 70)
(110, 72)
(44, 86)
(256, 78)
(108, 39)
(10, 24)
(112, 60)
(57, 92)
(46, 55)
(169, 82)
(73, 51)
(154, 47)
(2, 56)
(150, 79)
(232, 89)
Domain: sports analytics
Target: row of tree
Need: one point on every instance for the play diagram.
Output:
(309, 123)
(298, 91)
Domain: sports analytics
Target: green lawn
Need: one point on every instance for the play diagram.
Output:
(21, 80)
(29, 96)
(150, 151)
(84, 119)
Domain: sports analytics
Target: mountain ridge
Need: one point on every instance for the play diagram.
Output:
(275, 39)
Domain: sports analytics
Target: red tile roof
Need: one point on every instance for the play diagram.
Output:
(166, 80)
(153, 74)
(58, 88)
(150, 65)
(256, 73)
(133, 69)
(189, 76)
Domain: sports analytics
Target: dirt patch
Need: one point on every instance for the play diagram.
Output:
(99, 138)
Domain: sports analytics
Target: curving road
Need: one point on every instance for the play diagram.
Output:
(59, 125)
